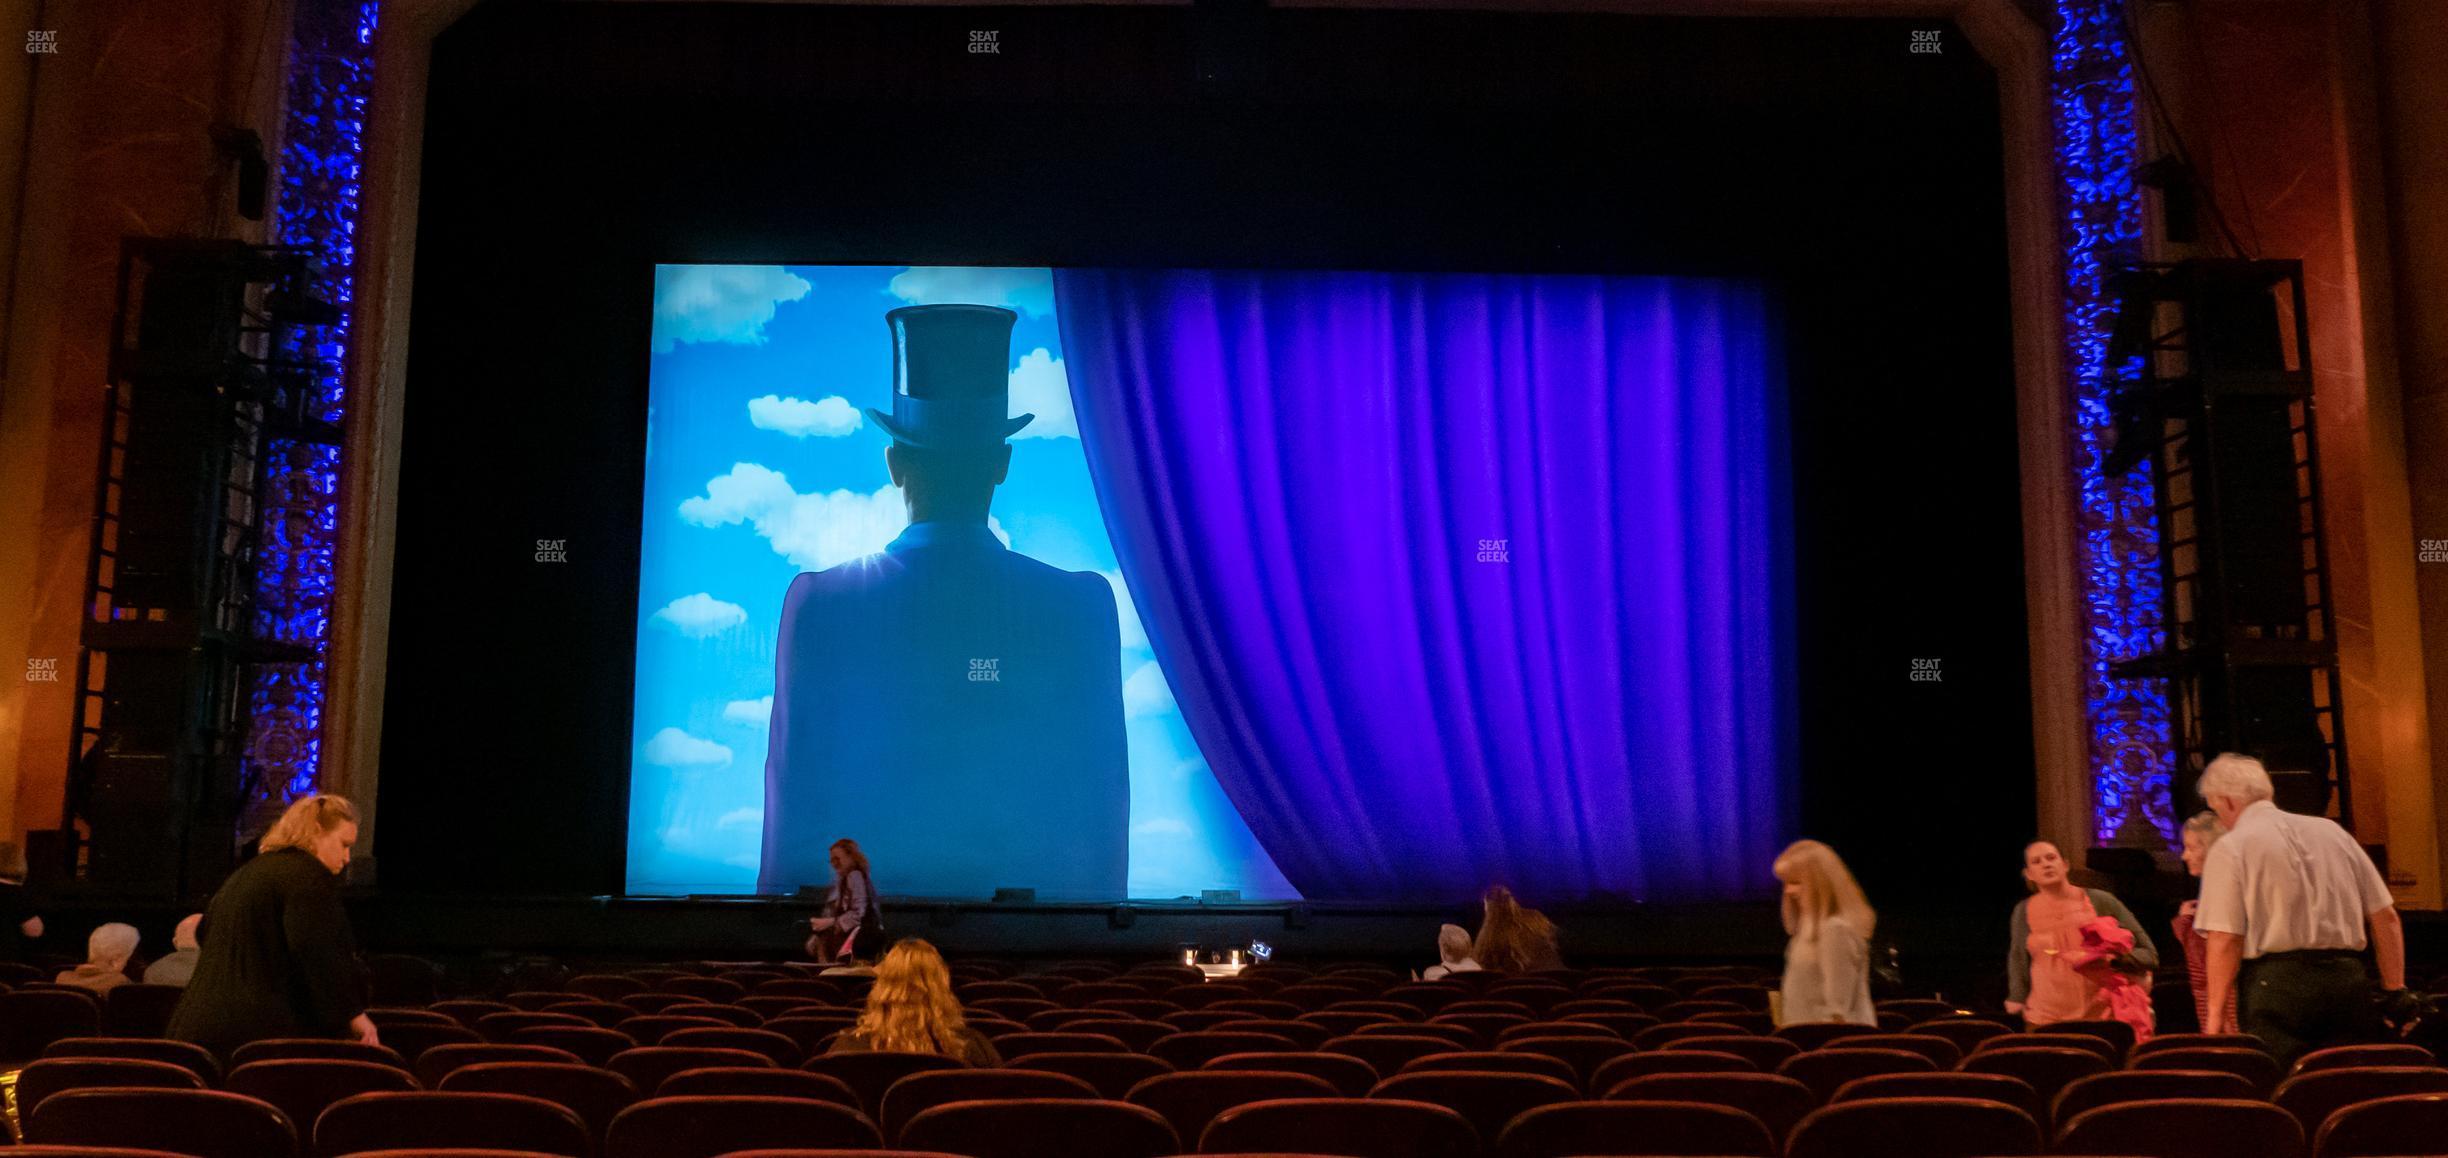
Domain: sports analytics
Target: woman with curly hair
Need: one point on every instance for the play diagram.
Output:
(912, 1010)
(1513, 939)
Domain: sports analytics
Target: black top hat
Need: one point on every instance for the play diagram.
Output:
(951, 377)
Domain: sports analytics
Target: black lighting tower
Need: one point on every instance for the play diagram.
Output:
(2222, 408)
(198, 385)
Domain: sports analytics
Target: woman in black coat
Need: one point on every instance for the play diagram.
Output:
(278, 959)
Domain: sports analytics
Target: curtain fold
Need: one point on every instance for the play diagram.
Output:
(1460, 579)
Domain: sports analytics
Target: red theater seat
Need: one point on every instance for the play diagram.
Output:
(434, 1118)
(2314, 1096)
(2167, 1041)
(1387, 1053)
(303, 1087)
(1351, 1077)
(1353, 1127)
(139, 1010)
(707, 1127)
(1299, 1034)
(105, 1152)
(1583, 1054)
(601, 1014)
(595, 1095)
(1674, 1061)
(649, 1028)
(1494, 1061)
(1113, 1074)
(2000, 1088)
(411, 1040)
(1014, 1045)
(647, 1066)
(198, 1123)
(1021, 1127)
(780, 1049)
(1929, 1127)
(31, 1019)
(918, 1093)
(186, 1055)
(1134, 1035)
(2405, 1124)
(436, 1063)
(757, 1082)
(2341, 1056)
(1192, 1050)
(1638, 1128)
(2250, 1064)
(2184, 1128)
(1189, 1101)
(41, 1079)
(1811, 1035)
(2118, 1035)
(2118, 1086)
(1941, 1052)
(2046, 1069)
(1966, 1032)
(870, 1074)
(505, 1026)
(1661, 1036)
(1456, 1036)
(1765, 1052)
(1486, 1099)
(1827, 1070)
(2092, 1043)
(1778, 1102)
(280, 1048)
(1556, 1029)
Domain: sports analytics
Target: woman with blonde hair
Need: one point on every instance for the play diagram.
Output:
(911, 1010)
(281, 961)
(1513, 939)
(1827, 951)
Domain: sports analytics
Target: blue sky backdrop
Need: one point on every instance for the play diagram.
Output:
(761, 463)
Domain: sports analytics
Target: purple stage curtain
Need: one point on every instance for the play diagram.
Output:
(1460, 579)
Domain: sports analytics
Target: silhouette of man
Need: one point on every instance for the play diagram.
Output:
(954, 706)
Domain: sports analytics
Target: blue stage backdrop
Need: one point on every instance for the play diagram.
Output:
(1351, 586)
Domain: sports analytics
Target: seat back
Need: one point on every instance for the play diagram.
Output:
(2403, 1124)
(1942, 1052)
(1189, 1101)
(1813, 1034)
(412, 1039)
(186, 1055)
(31, 1019)
(1826, 1070)
(1113, 1074)
(1966, 1032)
(2250, 1064)
(1014, 1045)
(1516, 1062)
(2047, 1069)
(1019, 1128)
(757, 1082)
(647, 1065)
(2117, 1086)
(1583, 1054)
(2118, 1035)
(2093, 1043)
(1669, 1061)
(1937, 1128)
(1644, 1127)
(2184, 1128)
(871, 1073)
(1195, 1049)
(2387, 1054)
(1778, 1102)
(450, 1119)
(778, 1048)
(138, 1010)
(594, 1095)
(1134, 1034)
(652, 1028)
(303, 1087)
(436, 1063)
(1387, 1053)
(48, 1076)
(1487, 1099)
(279, 1048)
(1351, 1077)
(920, 1092)
(198, 1123)
(2011, 1091)
(2314, 1096)
(2167, 1041)
(704, 1127)
(1354, 1127)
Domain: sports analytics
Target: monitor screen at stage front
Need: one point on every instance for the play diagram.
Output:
(1293, 584)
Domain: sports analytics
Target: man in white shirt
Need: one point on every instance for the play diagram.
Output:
(2285, 901)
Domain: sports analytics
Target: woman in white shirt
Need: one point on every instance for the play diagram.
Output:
(1828, 923)
(1454, 953)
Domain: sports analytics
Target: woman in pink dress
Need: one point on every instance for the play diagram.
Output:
(2045, 935)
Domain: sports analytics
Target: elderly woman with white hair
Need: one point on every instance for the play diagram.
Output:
(1453, 954)
(2201, 832)
(2286, 900)
(107, 953)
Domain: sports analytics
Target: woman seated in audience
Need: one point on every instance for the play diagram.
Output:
(176, 968)
(282, 962)
(2045, 935)
(1513, 939)
(2199, 834)
(912, 1010)
(1453, 954)
(1828, 923)
(106, 959)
